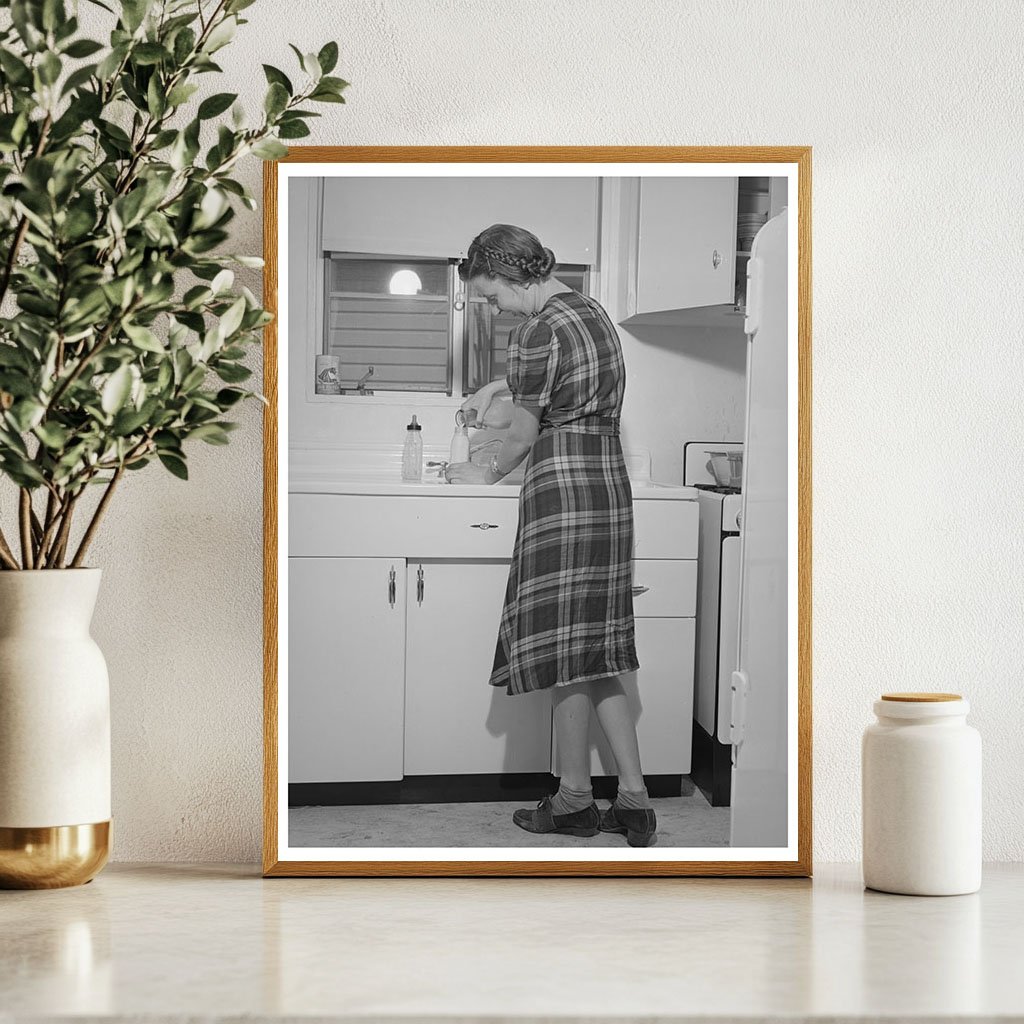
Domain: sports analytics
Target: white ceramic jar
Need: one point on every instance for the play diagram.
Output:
(921, 791)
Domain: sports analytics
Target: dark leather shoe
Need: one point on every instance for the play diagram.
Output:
(640, 826)
(541, 819)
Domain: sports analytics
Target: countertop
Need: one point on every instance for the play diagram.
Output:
(503, 489)
(181, 941)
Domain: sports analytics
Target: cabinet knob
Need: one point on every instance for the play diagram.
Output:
(716, 259)
(483, 526)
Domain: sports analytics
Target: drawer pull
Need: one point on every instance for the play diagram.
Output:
(640, 590)
(391, 587)
(483, 526)
(419, 585)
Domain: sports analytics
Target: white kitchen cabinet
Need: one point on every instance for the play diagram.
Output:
(416, 699)
(440, 216)
(456, 723)
(346, 669)
(679, 238)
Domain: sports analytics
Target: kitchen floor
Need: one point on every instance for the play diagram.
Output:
(686, 821)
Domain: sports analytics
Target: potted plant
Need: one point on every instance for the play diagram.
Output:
(122, 339)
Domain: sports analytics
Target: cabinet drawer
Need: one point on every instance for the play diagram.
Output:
(664, 529)
(371, 526)
(383, 526)
(669, 588)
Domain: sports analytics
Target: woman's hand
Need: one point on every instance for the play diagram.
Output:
(489, 407)
(466, 473)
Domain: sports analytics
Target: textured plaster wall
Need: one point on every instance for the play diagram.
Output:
(913, 110)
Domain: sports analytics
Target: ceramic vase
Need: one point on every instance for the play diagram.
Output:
(54, 731)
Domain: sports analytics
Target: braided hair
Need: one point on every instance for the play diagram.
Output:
(505, 251)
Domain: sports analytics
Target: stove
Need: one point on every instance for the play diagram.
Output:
(718, 601)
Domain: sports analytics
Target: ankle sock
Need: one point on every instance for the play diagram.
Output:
(569, 801)
(630, 801)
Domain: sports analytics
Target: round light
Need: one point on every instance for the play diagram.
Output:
(405, 282)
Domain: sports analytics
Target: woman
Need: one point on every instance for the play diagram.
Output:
(567, 623)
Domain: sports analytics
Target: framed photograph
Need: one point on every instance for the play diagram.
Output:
(537, 511)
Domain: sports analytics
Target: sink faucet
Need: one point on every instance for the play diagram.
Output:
(361, 383)
(360, 388)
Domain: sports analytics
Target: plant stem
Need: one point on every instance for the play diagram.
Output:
(56, 557)
(6, 555)
(25, 519)
(97, 516)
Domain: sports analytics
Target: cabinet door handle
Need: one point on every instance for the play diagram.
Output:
(640, 590)
(419, 585)
(483, 526)
(716, 259)
(391, 587)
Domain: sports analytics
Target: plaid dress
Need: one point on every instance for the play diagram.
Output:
(568, 613)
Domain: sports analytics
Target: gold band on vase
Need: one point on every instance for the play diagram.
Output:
(53, 857)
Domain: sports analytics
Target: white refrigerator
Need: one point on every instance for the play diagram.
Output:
(760, 712)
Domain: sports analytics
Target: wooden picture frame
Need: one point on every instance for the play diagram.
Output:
(794, 859)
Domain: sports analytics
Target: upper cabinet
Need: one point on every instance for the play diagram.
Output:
(439, 217)
(681, 256)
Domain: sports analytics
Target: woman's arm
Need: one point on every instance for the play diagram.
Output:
(486, 408)
(522, 433)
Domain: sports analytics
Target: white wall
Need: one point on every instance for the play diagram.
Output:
(913, 111)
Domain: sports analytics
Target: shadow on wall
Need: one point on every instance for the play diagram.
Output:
(717, 347)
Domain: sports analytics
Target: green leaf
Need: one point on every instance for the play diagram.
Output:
(128, 421)
(156, 98)
(149, 53)
(144, 338)
(211, 433)
(232, 373)
(221, 35)
(326, 96)
(184, 44)
(328, 57)
(116, 390)
(216, 104)
(49, 68)
(53, 435)
(292, 130)
(234, 6)
(335, 84)
(16, 70)
(133, 13)
(276, 100)
(232, 319)
(181, 94)
(77, 79)
(311, 66)
(274, 76)
(269, 149)
(83, 48)
(175, 464)
(26, 413)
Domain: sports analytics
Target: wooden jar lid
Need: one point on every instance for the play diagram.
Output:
(920, 698)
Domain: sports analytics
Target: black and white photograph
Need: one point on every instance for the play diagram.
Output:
(537, 515)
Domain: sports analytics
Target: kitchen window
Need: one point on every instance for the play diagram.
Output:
(413, 322)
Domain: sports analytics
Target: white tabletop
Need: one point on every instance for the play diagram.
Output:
(176, 941)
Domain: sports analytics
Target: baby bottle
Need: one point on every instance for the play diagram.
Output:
(460, 440)
(412, 452)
